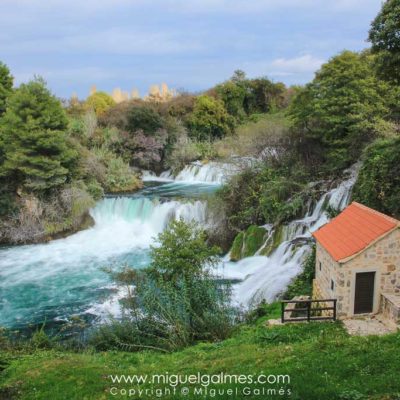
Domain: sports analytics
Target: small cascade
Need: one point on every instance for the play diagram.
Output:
(211, 173)
(145, 211)
(267, 277)
(150, 176)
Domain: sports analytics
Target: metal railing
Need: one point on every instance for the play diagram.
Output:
(306, 312)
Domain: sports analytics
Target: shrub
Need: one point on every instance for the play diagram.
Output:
(261, 194)
(177, 300)
(95, 189)
(40, 339)
(120, 177)
(144, 119)
(99, 102)
(209, 120)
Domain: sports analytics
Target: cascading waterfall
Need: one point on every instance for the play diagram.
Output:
(55, 280)
(63, 277)
(196, 172)
(267, 277)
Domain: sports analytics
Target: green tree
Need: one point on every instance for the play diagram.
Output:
(209, 119)
(181, 252)
(233, 96)
(384, 36)
(36, 153)
(177, 300)
(341, 108)
(263, 95)
(6, 84)
(100, 102)
(238, 76)
(378, 183)
(144, 119)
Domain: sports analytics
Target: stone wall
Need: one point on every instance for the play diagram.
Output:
(383, 257)
(323, 277)
(327, 272)
(390, 307)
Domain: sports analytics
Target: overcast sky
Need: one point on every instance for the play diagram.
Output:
(190, 44)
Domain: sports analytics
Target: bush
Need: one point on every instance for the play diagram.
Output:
(261, 194)
(209, 120)
(99, 102)
(177, 300)
(95, 190)
(144, 119)
(120, 177)
(40, 340)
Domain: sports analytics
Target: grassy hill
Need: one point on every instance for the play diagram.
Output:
(322, 361)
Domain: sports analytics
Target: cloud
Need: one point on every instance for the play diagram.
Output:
(299, 69)
(89, 8)
(191, 43)
(111, 41)
(78, 75)
(298, 65)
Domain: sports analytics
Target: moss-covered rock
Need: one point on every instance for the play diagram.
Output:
(273, 241)
(236, 250)
(253, 240)
(247, 243)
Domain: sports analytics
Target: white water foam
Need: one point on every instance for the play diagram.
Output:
(66, 274)
(196, 172)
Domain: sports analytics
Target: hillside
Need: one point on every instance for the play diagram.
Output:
(323, 362)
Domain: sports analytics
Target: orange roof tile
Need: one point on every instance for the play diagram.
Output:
(354, 229)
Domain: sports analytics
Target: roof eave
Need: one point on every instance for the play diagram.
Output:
(348, 258)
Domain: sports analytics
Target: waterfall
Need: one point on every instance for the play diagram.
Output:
(55, 280)
(267, 277)
(210, 173)
(63, 277)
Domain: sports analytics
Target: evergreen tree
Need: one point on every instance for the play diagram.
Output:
(6, 84)
(36, 154)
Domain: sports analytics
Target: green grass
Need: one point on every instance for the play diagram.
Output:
(252, 135)
(323, 363)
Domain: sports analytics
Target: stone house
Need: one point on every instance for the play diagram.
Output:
(358, 263)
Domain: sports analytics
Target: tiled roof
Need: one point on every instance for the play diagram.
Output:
(354, 229)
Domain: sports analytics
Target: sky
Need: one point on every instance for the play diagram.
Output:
(189, 44)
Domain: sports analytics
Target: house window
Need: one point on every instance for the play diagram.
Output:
(320, 266)
(332, 285)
